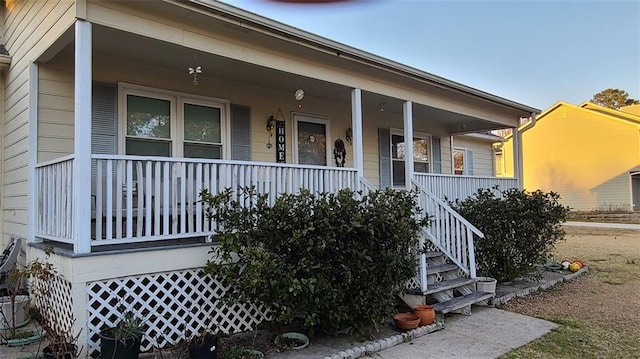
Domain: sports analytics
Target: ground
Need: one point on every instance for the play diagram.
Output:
(599, 313)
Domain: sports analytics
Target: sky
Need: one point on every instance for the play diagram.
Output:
(533, 52)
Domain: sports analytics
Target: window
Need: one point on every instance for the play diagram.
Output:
(459, 160)
(421, 156)
(165, 124)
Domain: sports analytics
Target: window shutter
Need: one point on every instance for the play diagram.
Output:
(240, 133)
(103, 120)
(384, 150)
(437, 155)
(469, 163)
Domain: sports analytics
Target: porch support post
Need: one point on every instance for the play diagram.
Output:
(82, 140)
(408, 143)
(453, 165)
(517, 156)
(356, 128)
(33, 153)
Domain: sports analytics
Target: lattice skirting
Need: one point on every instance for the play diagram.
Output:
(172, 305)
(55, 303)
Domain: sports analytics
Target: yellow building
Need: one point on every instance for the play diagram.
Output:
(588, 154)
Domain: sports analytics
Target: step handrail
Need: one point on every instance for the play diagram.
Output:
(449, 231)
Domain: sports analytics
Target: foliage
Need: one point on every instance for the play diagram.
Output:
(330, 261)
(613, 98)
(520, 229)
(129, 327)
(42, 274)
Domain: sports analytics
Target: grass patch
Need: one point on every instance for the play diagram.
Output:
(612, 282)
(566, 341)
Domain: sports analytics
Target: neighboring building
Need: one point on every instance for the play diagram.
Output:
(117, 113)
(587, 153)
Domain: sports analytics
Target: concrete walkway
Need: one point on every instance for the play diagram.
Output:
(487, 333)
(603, 225)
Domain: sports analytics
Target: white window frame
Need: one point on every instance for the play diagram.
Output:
(465, 158)
(177, 101)
(300, 117)
(418, 135)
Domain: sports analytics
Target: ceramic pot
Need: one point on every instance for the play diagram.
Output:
(206, 349)
(406, 321)
(426, 313)
(284, 340)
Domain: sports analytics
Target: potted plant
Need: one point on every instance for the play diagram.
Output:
(123, 340)
(204, 346)
(14, 306)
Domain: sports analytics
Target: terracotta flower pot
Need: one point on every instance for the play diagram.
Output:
(426, 313)
(406, 321)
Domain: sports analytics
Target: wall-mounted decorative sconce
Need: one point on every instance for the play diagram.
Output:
(349, 135)
(271, 124)
(299, 94)
(381, 106)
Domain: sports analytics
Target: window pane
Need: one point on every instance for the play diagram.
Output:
(202, 124)
(458, 162)
(148, 117)
(421, 150)
(398, 173)
(421, 167)
(397, 146)
(140, 147)
(194, 150)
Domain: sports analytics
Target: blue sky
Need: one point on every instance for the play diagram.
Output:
(533, 52)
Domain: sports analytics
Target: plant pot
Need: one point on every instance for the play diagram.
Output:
(426, 313)
(292, 340)
(57, 352)
(486, 284)
(112, 348)
(406, 321)
(21, 311)
(205, 348)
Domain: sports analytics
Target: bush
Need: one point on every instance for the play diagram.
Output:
(520, 230)
(330, 261)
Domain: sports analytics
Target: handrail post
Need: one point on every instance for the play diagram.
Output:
(472, 254)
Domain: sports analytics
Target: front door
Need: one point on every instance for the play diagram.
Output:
(635, 191)
(311, 141)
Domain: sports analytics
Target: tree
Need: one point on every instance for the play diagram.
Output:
(613, 98)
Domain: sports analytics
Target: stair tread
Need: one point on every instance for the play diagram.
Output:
(448, 284)
(441, 268)
(461, 302)
(433, 254)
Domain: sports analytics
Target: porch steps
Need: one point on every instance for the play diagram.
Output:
(461, 302)
(447, 289)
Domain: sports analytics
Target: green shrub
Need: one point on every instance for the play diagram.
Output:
(520, 230)
(329, 261)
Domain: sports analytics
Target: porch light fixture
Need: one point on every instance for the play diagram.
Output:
(349, 135)
(381, 106)
(299, 94)
(195, 70)
(271, 124)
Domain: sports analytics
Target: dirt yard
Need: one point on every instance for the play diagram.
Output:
(599, 313)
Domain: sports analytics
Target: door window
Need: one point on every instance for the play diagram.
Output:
(312, 143)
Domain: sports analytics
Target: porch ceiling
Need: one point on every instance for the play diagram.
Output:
(110, 42)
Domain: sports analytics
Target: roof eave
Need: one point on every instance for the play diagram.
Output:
(344, 51)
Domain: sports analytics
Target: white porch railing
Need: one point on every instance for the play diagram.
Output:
(455, 187)
(141, 199)
(449, 232)
(54, 191)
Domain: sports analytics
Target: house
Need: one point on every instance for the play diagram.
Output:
(586, 153)
(117, 113)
